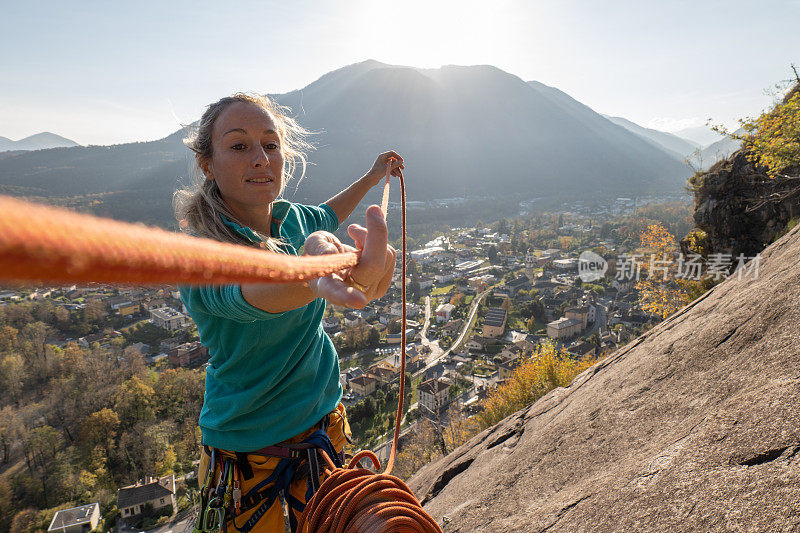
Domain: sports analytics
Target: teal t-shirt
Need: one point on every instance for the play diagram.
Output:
(271, 376)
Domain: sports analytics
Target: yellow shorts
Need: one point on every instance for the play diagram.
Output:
(339, 432)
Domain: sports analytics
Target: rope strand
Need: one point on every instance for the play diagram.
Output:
(46, 244)
(356, 500)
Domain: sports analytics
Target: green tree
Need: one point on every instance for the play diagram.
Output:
(134, 402)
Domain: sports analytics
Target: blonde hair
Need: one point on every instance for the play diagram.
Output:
(198, 207)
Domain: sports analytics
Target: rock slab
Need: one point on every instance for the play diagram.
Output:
(694, 426)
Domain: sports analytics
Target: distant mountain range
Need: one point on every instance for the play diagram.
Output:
(700, 156)
(464, 131)
(703, 136)
(39, 141)
(677, 145)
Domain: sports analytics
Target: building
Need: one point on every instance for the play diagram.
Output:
(396, 309)
(444, 277)
(413, 358)
(466, 266)
(563, 327)
(330, 325)
(434, 396)
(384, 372)
(168, 318)
(157, 492)
(566, 264)
(506, 368)
(128, 309)
(188, 354)
(394, 338)
(444, 312)
(76, 520)
(581, 314)
(478, 342)
(363, 385)
(494, 325)
(583, 349)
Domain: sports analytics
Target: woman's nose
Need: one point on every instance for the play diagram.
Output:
(261, 159)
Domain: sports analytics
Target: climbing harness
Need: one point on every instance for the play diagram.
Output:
(46, 244)
(297, 461)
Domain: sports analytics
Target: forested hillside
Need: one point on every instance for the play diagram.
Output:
(77, 423)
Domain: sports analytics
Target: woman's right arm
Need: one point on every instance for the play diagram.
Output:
(278, 297)
(374, 270)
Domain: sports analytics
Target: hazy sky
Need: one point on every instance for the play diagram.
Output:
(110, 72)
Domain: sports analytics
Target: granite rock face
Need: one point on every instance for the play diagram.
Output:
(741, 208)
(694, 426)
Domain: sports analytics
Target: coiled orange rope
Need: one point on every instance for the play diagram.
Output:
(45, 244)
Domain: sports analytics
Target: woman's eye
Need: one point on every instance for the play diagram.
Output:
(238, 146)
(271, 146)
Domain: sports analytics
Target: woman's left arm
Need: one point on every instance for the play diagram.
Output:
(346, 201)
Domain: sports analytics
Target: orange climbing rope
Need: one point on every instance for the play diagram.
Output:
(42, 243)
(355, 499)
(45, 244)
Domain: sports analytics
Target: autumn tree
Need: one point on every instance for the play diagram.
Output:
(431, 439)
(773, 138)
(457, 299)
(41, 447)
(12, 374)
(8, 338)
(545, 370)
(134, 402)
(10, 431)
(661, 291)
(100, 428)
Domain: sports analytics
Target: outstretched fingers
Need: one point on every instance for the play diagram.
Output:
(336, 291)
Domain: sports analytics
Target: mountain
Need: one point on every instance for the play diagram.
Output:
(694, 426)
(39, 141)
(720, 149)
(683, 148)
(475, 131)
(680, 147)
(701, 135)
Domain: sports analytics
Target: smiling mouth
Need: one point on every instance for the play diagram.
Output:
(260, 180)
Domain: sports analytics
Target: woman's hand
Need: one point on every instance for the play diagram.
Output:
(378, 170)
(372, 274)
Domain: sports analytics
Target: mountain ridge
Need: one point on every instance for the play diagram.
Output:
(471, 130)
(39, 141)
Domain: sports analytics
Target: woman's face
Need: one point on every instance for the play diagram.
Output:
(247, 158)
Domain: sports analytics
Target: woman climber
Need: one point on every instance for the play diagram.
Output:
(272, 395)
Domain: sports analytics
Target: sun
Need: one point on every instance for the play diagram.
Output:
(432, 33)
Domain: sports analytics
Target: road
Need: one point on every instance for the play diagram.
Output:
(600, 325)
(435, 350)
(183, 523)
(424, 332)
(433, 359)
